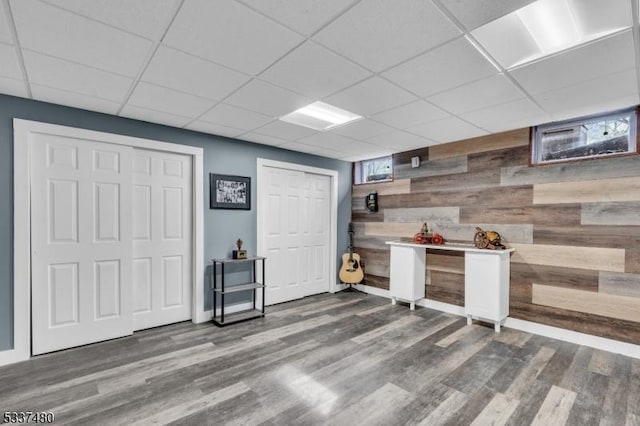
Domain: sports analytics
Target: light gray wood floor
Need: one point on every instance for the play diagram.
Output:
(343, 359)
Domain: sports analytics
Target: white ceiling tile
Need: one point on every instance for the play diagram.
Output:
(358, 147)
(5, 32)
(448, 130)
(581, 64)
(326, 141)
(214, 129)
(60, 97)
(314, 71)
(614, 91)
(442, 68)
(301, 147)
(230, 116)
(411, 114)
(512, 115)
(400, 140)
(152, 116)
(362, 129)
(177, 70)
(230, 34)
(369, 155)
(267, 99)
(381, 33)
(370, 97)
(263, 139)
(13, 87)
(328, 153)
(284, 130)
(304, 16)
(479, 94)
(474, 13)
(71, 77)
(148, 18)
(158, 98)
(59, 33)
(9, 60)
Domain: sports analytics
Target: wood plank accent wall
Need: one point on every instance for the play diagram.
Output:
(575, 227)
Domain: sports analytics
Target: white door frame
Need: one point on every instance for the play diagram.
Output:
(260, 209)
(22, 224)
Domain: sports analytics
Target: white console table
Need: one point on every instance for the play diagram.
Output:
(486, 278)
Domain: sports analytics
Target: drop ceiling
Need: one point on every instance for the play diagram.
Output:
(234, 67)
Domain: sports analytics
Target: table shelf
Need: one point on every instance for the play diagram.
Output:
(221, 291)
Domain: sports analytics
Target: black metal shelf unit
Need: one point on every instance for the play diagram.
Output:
(223, 319)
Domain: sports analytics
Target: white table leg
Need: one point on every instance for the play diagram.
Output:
(469, 320)
(412, 306)
(497, 327)
(393, 300)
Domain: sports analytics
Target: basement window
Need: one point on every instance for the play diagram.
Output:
(587, 137)
(374, 170)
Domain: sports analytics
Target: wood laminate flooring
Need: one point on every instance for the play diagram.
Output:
(338, 359)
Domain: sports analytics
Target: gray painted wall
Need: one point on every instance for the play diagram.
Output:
(221, 155)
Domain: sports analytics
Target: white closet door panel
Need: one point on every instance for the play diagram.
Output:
(162, 238)
(296, 234)
(81, 242)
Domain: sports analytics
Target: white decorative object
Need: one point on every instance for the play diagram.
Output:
(486, 278)
(415, 162)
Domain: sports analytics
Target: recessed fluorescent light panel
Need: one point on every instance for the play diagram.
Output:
(545, 27)
(320, 116)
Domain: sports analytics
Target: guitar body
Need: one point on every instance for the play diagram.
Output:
(351, 270)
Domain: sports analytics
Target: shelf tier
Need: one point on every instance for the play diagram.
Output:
(248, 259)
(235, 288)
(238, 316)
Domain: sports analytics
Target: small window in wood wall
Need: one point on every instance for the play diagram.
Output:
(602, 135)
(373, 170)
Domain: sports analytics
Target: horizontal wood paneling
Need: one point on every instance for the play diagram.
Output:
(607, 305)
(554, 215)
(509, 196)
(589, 191)
(423, 214)
(405, 157)
(611, 214)
(459, 181)
(444, 166)
(603, 168)
(632, 260)
(499, 158)
(376, 281)
(588, 236)
(620, 284)
(375, 261)
(560, 276)
(445, 261)
(454, 283)
(575, 225)
(597, 325)
(502, 140)
(398, 186)
(594, 258)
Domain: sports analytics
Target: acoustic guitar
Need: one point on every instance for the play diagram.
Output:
(351, 269)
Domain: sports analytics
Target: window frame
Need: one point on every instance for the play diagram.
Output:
(537, 131)
(358, 174)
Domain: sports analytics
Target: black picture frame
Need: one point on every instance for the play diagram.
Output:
(229, 192)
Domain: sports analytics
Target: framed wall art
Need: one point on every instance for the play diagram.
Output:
(229, 192)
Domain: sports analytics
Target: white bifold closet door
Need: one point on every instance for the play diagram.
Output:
(162, 238)
(81, 242)
(111, 240)
(296, 234)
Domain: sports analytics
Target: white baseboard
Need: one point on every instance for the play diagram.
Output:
(610, 345)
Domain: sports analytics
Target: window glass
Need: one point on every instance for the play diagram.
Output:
(596, 136)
